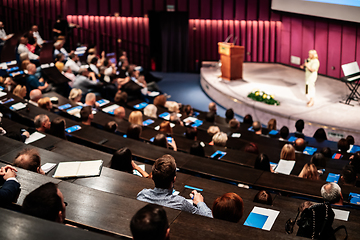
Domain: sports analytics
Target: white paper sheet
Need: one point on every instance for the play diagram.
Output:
(341, 214)
(47, 167)
(272, 215)
(34, 137)
(153, 94)
(136, 172)
(285, 167)
(18, 106)
(66, 169)
(2, 94)
(110, 108)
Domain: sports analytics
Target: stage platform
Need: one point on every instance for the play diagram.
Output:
(287, 84)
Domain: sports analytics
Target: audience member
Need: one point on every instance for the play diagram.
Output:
(59, 61)
(212, 108)
(70, 75)
(86, 115)
(10, 188)
(73, 63)
(197, 149)
(119, 114)
(164, 176)
(187, 111)
(160, 101)
(318, 160)
(46, 202)
(210, 117)
(309, 171)
(248, 120)
(299, 126)
(136, 117)
(121, 98)
(287, 152)
(111, 126)
(42, 123)
(172, 106)
(37, 35)
(326, 151)
(228, 207)
(191, 133)
(257, 127)
(59, 48)
(45, 103)
(90, 100)
(150, 223)
(134, 131)
(262, 162)
(57, 127)
(284, 133)
(320, 134)
(263, 197)
(160, 140)
(23, 49)
(251, 148)
(86, 81)
(331, 192)
(29, 159)
(350, 140)
(271, 124)
(300, 145)
(229, 115)
(343, 145)
(165, 128)
(348, 175)
(150, 111)
(75, 95)
(93, 65)
(355, 161)
(32, 82)
(234, 124)
(35, 95)
(175, 119)
(220, 139)
(122, 161)
(212, 130)
(20, 91)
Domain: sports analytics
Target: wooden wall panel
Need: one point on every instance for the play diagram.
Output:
(334, 50)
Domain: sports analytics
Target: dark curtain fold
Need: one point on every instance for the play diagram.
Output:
(169, 40)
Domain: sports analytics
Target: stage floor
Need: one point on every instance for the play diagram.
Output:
(287, 84)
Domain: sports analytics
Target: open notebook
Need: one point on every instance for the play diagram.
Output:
(78, 169)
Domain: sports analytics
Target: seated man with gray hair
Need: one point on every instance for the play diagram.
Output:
(331, 192)
(90, 100)
(42, 123)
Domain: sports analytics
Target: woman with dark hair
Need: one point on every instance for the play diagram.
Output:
(326, 151)
(262, 162)
(197, 149)
(318, 160)
(248, 120)
(228, 207)
(111, 126)
(320, 134)
(122, 161)
(134, 131)
(355, 161)
(343, 145)
(263, 197)
(57, 128)
(161, 140)
(350, 139)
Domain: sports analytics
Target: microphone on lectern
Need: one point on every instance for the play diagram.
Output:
(228, 38)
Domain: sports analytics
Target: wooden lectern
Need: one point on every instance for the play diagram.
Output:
(232, 58)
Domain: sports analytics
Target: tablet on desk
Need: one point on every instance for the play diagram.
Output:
(197, 123)
(354, 198)
(65, 106)
(292, 139)
(148, 122)
(337, 156)
(102, 102)
(332, 177)
(273, 132)
(140, 105)
(73, 128)
(218, 155)
(309, 150)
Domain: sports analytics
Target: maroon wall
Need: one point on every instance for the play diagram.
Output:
(267, 36)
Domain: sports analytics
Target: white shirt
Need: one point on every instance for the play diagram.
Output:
(72, 65)
(23, 49)
(94, 69)
(39, 39)
(2, 33)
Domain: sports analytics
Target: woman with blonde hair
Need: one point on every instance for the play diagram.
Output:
(75, 95)
(136, 117)
(150, 111)
(45, 103)
(311, 66)
(309, 171)
(287, 152)
(172, 106)
(20, 91)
